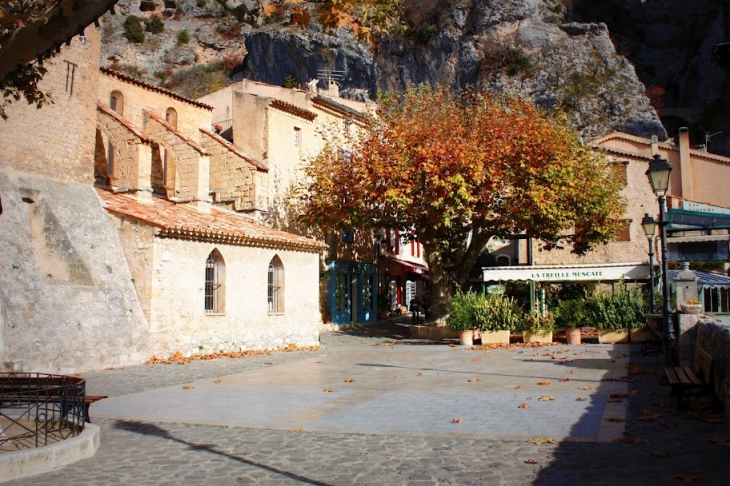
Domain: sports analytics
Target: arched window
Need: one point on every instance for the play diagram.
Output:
(215, 274)
(276, 286)
(116, 102)
(171, 117)
(503, 260)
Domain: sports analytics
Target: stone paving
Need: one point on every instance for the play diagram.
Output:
(270, 421)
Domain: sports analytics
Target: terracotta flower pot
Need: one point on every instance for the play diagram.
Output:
(572, 336)
(466, 338)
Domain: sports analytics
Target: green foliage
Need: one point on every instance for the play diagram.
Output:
(183, 37)
(201, 3)
(133, 29)
(534, 321)
(198, 80)
(624, 308)
(571, 314)
(463, 305)
(290, 81)
(497, 313)
(509, 60)
(154, 25)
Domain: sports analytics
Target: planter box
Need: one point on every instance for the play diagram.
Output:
(545, 337)
(613, 336)
(495, 337)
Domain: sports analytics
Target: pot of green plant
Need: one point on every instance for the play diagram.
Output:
(615, 313)
(496, 317)
(461, 318)
(570, 316)
(537, 328)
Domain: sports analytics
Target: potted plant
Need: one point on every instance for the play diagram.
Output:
(615, 314)
(496, 317)
(691, 306)
(570, 316)
(537, 328)
(461, 318)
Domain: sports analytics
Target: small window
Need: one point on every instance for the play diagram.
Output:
(503, 260)
(621, 171)
(171, 117)
(276, 286)
(625, 233)
(214, 280)
(70, 74)
(346, 155)
(116, 102)
(297, 136)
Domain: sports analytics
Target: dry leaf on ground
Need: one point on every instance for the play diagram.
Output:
(268, 362)
(217, 381)
(298, 429)
(329, 390)
(581, 399)
(670, 425)
(543, 382)
(564, 379)
(349, 380)
(518, 387)
(546, 440)
(686, 477)
(530, 461)
(584, 388)
(546, 398)
(524, 405)
(631, 440)
(615, 419)
(457, 421)
(473, 380)
(660, 454)
(720, 441)
(188, 387)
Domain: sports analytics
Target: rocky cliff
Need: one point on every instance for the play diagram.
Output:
(531, 48)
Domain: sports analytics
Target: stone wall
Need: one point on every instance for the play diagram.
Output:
(56, 141)
(67, 299)
(714, 337)
(233, 179)
(170, 278)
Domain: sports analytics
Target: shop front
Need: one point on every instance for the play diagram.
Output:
(402, 281)
(352, 292)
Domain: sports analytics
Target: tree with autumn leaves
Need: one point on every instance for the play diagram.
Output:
(458, 169)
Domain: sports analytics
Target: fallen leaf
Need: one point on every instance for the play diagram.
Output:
(686, 477)
(419, 374)
(636, 370)
(518, 387)
(217, 381)
(615, 419)
(613, 400)
(531, 461)
(631, 440)
(524, 405)
(546, 398)
(581, 399)
(546, 440)
(298, 429)
(660, 454)
(584, 388)
(349, 380)
(720, 441)
(473, 380)
(457, 421)
(319, 362)
(670, 425)
(564, 379)
(543, 382)
(477, 359)
(329, 390)
(188, 387)
(268, 362)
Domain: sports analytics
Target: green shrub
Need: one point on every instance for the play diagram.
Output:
(290, 81)
(497, 313)
(183, 37)
(624, 308)
(571, 314)
(154, 25)
(461, 317)
(133, 29)
(534, 321)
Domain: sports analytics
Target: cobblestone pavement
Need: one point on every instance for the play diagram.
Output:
(668, 448)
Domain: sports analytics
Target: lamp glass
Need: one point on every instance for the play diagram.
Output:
(649, 225)
(658, 173)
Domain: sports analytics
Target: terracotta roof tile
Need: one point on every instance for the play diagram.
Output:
(294, 110)
(138, 82)
(256, 163)
(338, 107)
(182, 222)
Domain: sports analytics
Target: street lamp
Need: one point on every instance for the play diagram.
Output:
(658, 174)
(649, 225)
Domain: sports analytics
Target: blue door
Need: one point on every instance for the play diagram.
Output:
(352, 292)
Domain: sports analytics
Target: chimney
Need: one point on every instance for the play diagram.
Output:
(654, 145)
(685, 163)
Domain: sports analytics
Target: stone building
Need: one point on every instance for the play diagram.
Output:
(284, 128)
(161, 257)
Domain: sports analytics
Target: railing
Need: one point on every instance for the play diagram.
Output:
(38, 409)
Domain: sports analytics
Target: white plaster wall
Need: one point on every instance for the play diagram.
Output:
(177, 304)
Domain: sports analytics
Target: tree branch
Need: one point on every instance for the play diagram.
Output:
(64, 21)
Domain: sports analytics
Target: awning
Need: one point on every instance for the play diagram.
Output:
(697, 238)
(410, 267)
(605, 272)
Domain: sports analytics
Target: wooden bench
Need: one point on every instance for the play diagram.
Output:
(697, 376)
(88, 400)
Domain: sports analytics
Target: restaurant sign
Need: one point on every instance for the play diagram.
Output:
(569, 273)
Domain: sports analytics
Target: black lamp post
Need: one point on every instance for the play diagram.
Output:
(658, 174)
(649, 225)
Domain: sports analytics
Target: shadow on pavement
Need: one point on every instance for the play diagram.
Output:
(144, 428)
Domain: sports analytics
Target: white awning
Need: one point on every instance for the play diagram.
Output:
(606, 272)
(692, 239)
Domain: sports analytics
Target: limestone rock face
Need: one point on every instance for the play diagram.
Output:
(529, 48)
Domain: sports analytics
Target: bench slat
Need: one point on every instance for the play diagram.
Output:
(682, 375)
(692, 377)
(672, 376)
